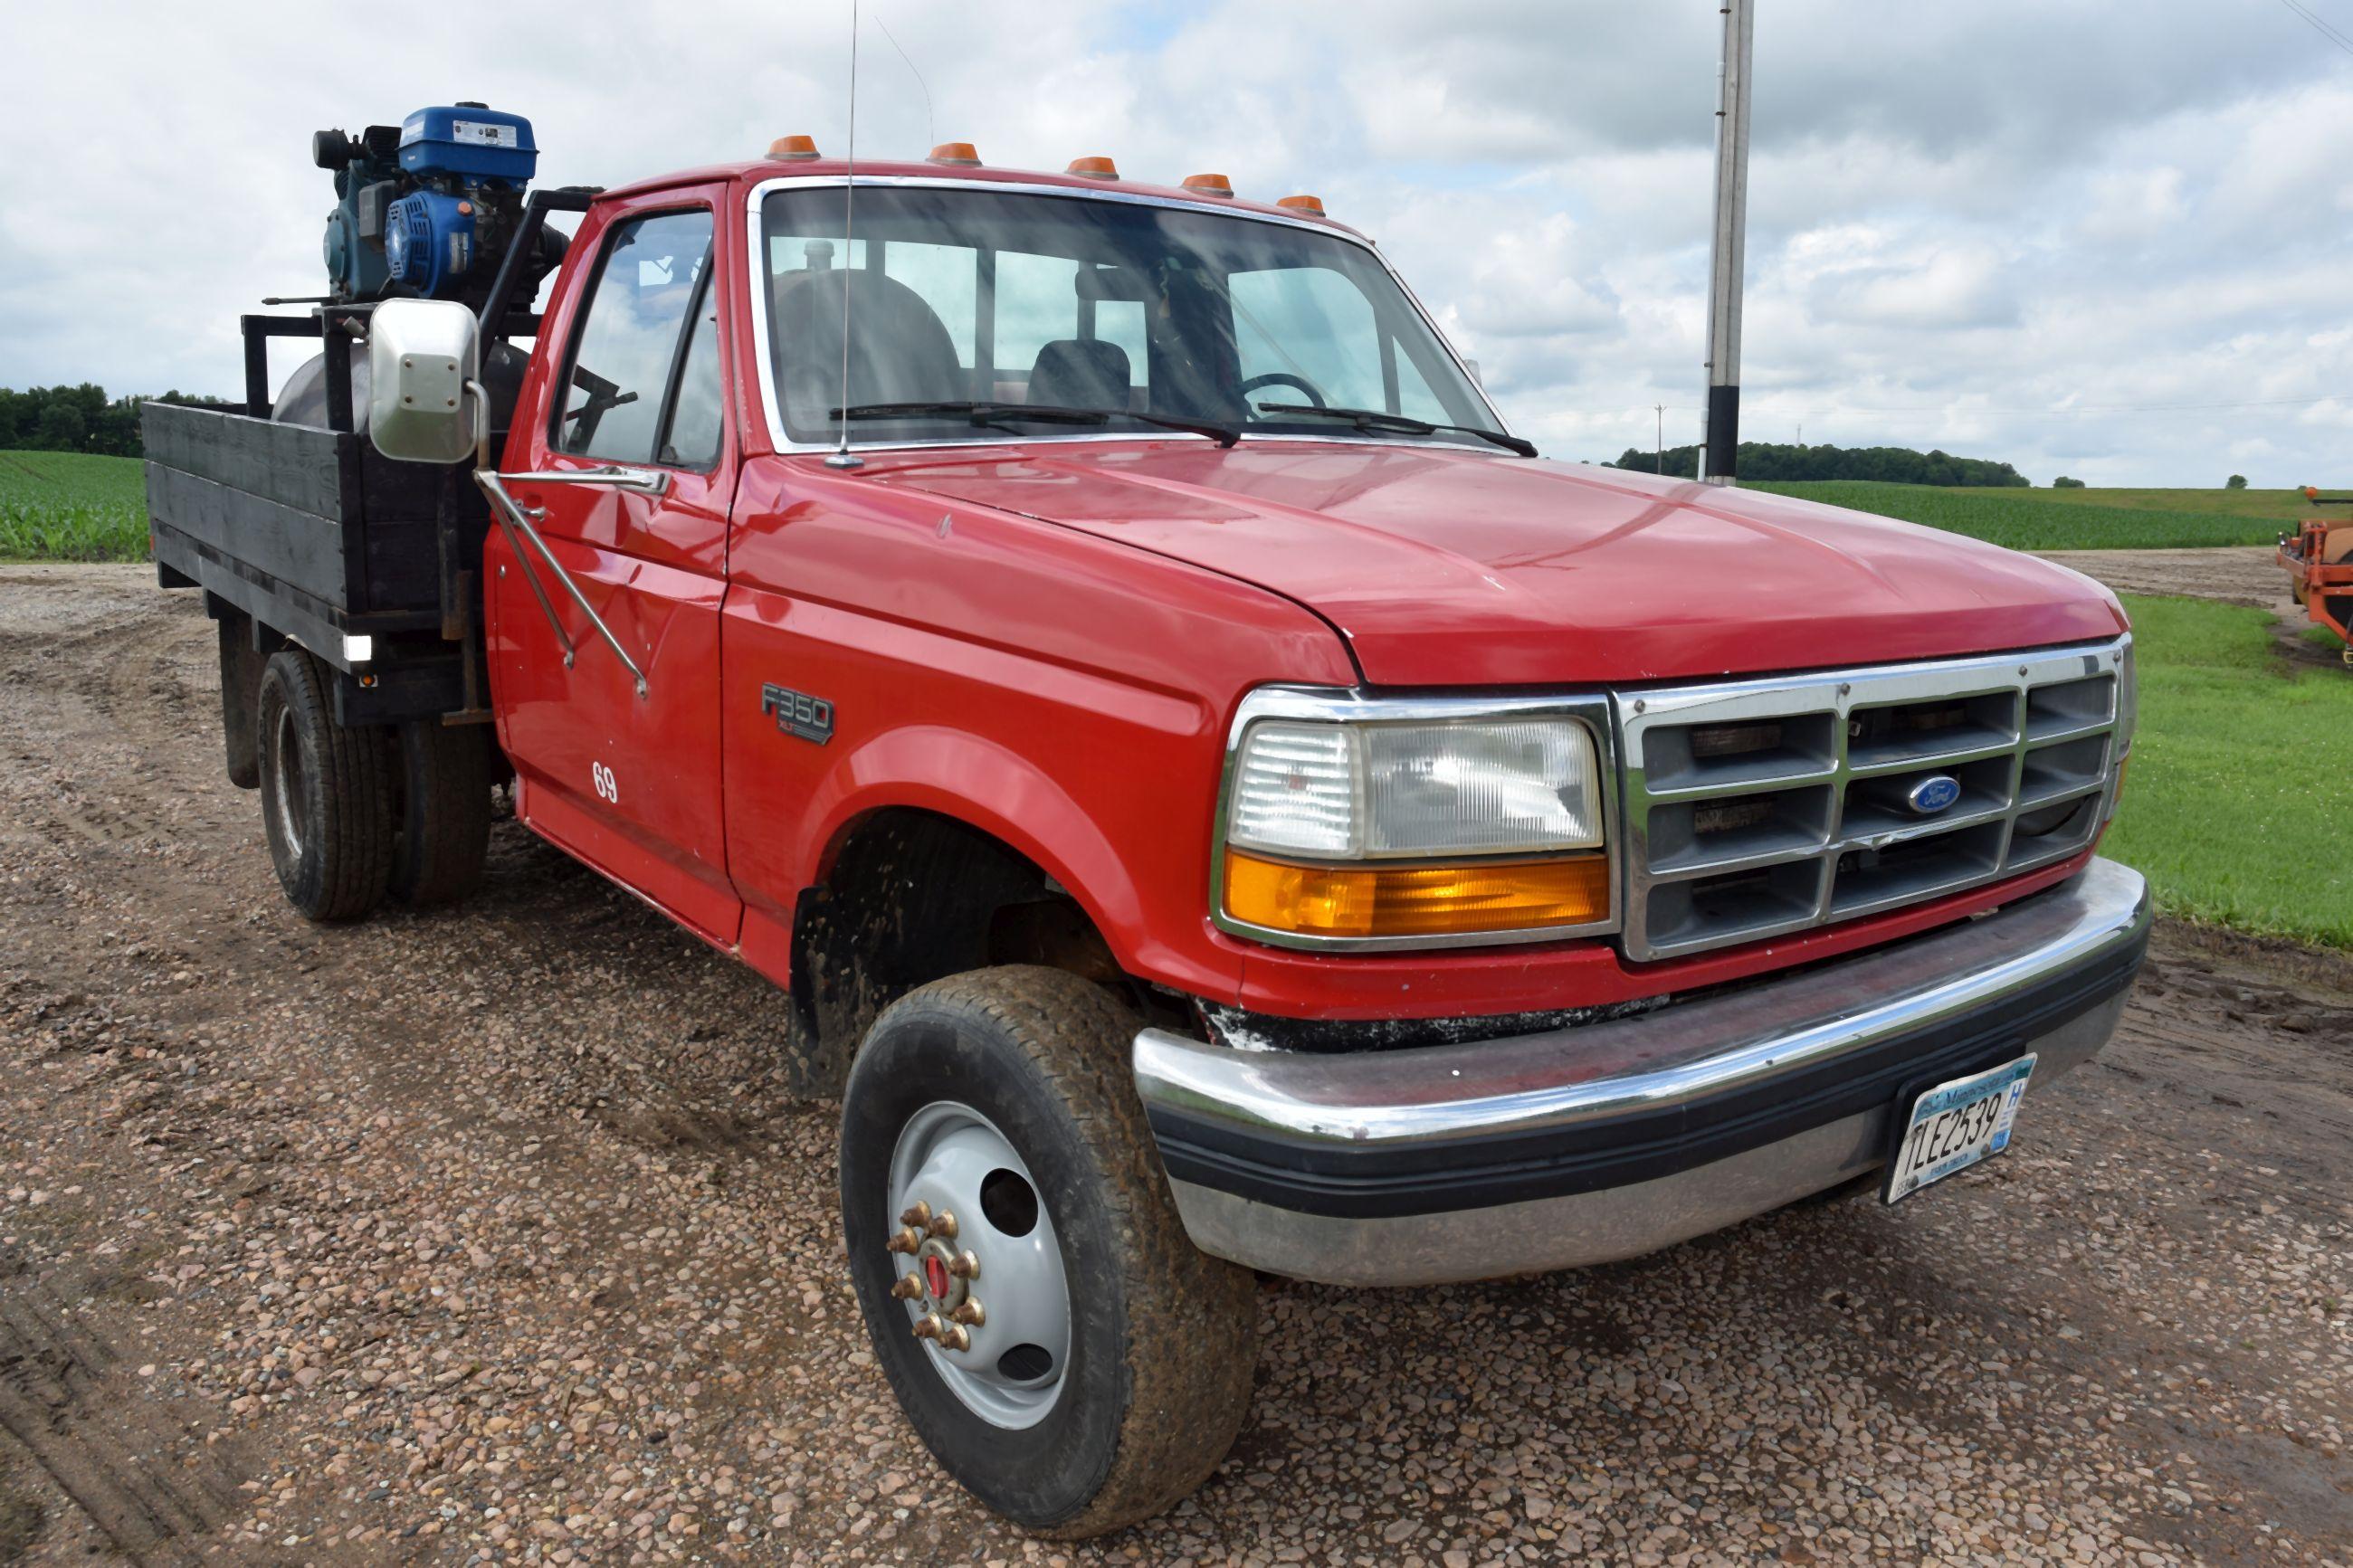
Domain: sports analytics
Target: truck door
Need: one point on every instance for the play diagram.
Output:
(627, 781)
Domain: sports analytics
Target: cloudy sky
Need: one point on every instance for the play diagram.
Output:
(2101, 239)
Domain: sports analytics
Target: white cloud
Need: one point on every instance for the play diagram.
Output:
(1978, 227)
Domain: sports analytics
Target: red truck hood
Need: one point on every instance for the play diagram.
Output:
(1445, 568)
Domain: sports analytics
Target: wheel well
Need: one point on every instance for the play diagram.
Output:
(912, 896)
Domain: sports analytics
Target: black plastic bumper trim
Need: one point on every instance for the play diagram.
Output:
(1344, 1182)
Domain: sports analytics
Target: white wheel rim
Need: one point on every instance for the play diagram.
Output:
(955, 1162)
(286, 749)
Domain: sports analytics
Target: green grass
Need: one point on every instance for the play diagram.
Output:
(2280, 508)
(2232, 804)
(2067, 519)
(71, 506)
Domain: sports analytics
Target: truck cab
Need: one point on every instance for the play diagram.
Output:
(1218, 799)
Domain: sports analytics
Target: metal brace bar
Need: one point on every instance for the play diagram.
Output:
(642, 481)
(522, 563)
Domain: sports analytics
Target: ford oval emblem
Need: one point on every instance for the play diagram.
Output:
(1934, 794)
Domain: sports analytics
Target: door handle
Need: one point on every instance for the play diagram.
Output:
(513, 518)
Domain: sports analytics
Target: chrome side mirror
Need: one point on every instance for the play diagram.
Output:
(425, 402)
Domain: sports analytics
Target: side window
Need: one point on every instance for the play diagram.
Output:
(692, 441)
(647, 287)
(1311, 323)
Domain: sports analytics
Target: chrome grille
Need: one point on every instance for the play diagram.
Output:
(1757, 808)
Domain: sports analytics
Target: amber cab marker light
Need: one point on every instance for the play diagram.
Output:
(959, 152)
(1312, 206)
(1465, 898)
(1209, 185)
(1094, 168)
(793, 148)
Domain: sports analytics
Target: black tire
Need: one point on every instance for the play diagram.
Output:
(1158, 1376)
(444, 824)
(325, 800)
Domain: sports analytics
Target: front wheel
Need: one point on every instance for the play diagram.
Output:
(1053, 1336)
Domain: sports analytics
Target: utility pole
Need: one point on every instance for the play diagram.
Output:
(1663, 440)
(1719, 453)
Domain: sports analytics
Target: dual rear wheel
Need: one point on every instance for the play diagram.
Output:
(356, 813)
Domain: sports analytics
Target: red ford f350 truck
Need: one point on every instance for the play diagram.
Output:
(1219, 801)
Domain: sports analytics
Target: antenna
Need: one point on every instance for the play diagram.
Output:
(930, 130)
(843, 457)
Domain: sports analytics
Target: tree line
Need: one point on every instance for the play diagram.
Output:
(80, 418)
(1884, 465)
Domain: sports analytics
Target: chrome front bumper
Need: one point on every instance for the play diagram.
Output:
(1581, 1145)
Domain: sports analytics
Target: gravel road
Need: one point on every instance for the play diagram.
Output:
(504, 1235)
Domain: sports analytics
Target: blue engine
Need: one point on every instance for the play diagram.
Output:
(428, 209)
(429, 238)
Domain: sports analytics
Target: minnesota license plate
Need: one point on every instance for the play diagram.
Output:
(1956, 1124)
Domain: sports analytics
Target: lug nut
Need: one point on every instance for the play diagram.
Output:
(918, 1217)
(964, 1266)
(944, 1227)
(955, 1339)
(908, 1287)
(970, 1312)
(929, 1327)
(906, 1241)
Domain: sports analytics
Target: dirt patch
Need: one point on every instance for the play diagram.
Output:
(2234, 575)
(503, 1235)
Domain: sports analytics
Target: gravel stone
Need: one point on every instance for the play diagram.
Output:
(506, 1234)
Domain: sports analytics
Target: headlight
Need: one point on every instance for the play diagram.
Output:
(1501, 819)
(1350, 792)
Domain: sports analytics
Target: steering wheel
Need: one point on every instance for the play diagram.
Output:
(1306, 388)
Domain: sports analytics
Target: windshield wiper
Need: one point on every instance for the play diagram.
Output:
(1002, 413)
(1375, 419)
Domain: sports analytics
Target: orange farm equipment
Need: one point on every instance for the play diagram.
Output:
(2319, 560)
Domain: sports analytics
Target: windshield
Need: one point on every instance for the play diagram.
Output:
(1001, 300)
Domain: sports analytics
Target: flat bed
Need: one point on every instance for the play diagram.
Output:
(311, 535)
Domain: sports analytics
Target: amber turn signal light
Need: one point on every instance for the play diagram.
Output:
(1466, 897)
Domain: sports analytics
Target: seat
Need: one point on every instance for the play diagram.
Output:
(900, 350)
(1072, 373)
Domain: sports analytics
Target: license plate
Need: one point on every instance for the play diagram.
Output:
(1956, 1124)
